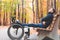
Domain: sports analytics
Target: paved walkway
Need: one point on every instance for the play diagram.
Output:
(4, 36)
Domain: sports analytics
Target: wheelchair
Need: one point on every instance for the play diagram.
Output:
(16, 31)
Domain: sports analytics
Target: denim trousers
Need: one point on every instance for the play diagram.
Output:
(34, 25)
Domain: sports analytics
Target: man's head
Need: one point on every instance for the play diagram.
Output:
(52, 10)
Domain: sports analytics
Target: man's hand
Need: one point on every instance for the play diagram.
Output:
(44, 22)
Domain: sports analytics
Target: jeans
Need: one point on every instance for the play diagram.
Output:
(40, 25)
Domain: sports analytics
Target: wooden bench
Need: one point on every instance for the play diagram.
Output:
(50, 28)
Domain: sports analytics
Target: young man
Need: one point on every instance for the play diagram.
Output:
(45, 22)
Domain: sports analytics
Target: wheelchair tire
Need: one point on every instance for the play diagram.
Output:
(12, 37)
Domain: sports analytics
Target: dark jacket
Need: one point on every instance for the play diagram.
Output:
(48, 19)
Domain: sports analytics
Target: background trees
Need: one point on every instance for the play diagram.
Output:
(27, 11)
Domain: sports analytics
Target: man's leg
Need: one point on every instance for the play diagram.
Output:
(34, 25)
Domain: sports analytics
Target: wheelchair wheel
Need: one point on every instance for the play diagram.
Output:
(14, 33)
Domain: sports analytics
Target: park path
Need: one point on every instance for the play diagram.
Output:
(3, 33)
(4, 36)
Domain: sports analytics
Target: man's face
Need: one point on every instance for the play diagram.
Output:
(51, 10)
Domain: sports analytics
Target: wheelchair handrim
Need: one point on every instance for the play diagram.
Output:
(15, 37)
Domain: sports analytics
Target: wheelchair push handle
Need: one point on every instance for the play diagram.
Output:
(13, 19)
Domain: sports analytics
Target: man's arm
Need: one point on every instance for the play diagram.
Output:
(44, 19)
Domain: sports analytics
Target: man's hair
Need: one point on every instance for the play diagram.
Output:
(54, 10)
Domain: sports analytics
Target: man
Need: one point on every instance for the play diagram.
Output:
(45, 22)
